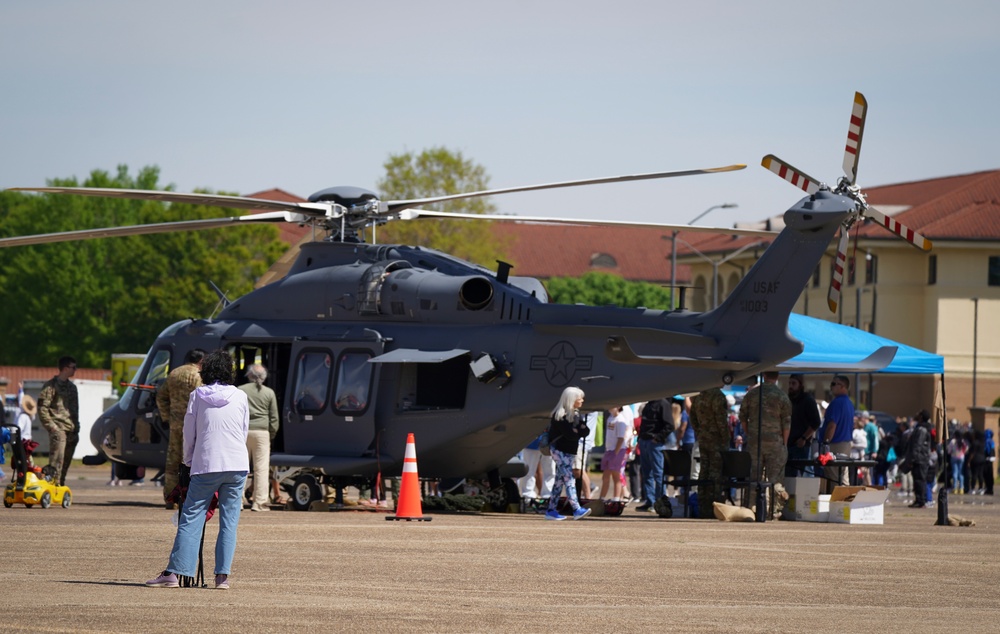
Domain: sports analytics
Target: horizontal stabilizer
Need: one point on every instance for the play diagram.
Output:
(618, 349)
(874, 362)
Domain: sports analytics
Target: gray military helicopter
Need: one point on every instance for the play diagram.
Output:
(367, 342)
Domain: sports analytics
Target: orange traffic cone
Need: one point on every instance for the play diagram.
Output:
(408, 505)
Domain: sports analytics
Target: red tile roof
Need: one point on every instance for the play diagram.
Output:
(965, 207)
(541, 250)
(15, 374)
(290, 234)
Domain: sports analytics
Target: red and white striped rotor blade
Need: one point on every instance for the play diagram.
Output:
(899, 229)
(855, 131)
(839, 265)
(795, 176)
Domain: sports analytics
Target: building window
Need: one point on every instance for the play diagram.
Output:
(994, 272)
(815, 281)
(932, 269)
(871, 268)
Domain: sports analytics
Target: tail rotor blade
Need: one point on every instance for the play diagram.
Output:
(833, 297)
(899, 229)
(795, 176)
(855, 131)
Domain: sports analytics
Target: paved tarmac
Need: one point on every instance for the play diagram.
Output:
(82, 570)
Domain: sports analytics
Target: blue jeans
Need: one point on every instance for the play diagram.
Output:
(229, 485)
(651, 466)
(957, 474)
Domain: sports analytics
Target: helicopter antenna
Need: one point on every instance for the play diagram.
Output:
(223, 302)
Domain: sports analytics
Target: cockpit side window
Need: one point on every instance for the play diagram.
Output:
(354, 380)
(312, 381)
(151, 374)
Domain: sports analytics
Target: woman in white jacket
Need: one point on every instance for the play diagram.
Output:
(215, 436)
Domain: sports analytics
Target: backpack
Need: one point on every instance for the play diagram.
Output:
(657, 421)
(544, 445)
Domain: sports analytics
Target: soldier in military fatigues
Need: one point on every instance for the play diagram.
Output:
(59, 411)
(774, 428)
(710, 421)
(172, 401)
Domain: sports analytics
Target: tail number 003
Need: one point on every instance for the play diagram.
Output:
(753, 305)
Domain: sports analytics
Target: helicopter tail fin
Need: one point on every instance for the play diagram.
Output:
(753, 320)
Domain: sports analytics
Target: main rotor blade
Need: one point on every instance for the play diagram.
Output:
(898, 228)
(855, 131)
(793, 175)
(161, 227)
(212, 200)
(840, 263)
(397, 205)
(413, 214)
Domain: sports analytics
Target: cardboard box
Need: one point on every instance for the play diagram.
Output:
(803, 495)
(858, 505)
(816, 509)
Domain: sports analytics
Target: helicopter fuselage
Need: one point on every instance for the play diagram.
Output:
(367, 343)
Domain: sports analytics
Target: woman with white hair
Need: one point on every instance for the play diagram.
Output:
(263, 428)
(567, 427)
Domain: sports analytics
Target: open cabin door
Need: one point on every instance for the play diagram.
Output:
(329, 406)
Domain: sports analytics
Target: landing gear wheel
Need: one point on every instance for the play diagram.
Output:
(67, 500)
(504, 495)
(46, 500)
(305, 491)
(663, 508)
(8, 504)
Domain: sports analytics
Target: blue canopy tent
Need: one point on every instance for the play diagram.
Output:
(827, 343)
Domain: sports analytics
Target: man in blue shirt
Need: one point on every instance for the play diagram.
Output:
(838, 425)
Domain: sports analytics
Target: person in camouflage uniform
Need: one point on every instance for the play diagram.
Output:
(172, 401)
(59, 411)
(710, 421)
(773, 438)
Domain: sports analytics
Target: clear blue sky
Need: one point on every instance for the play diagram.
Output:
(245, 96)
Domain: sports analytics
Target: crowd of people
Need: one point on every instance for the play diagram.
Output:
(796, 433)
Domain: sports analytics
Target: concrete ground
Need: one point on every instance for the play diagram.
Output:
(82, 570)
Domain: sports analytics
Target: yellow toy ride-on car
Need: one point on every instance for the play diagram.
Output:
(26, 487)
(29, 489)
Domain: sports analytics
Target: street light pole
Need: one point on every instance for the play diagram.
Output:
(715, 265)
(975, 345)
(673, 250)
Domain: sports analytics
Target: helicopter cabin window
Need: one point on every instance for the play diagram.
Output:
(354, 381)
(312, 381)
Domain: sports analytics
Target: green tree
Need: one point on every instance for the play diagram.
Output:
(91, 298)
(603, 289)
(437, 172)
